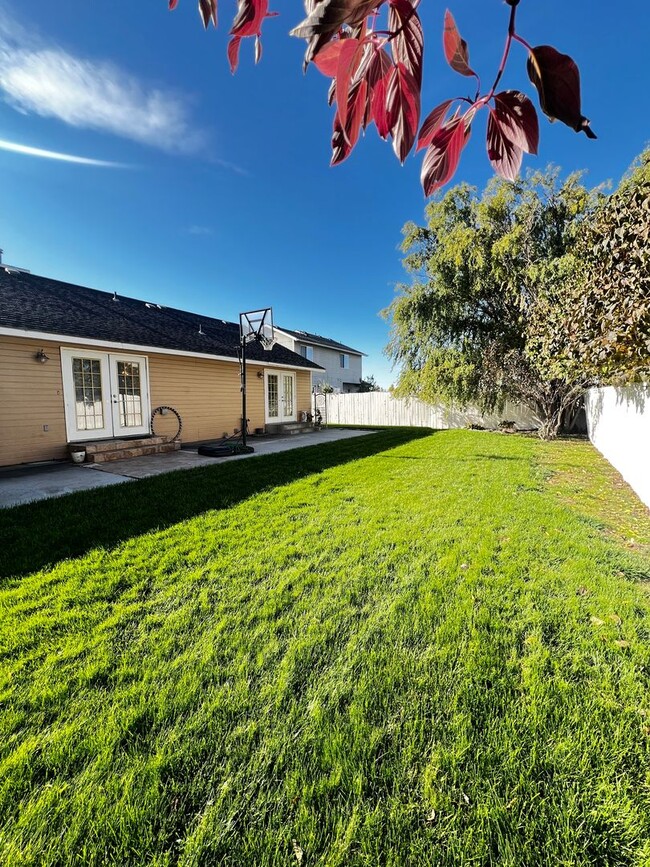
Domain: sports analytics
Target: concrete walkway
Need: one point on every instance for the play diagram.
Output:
(26, 484)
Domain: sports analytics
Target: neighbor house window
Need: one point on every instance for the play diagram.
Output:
(307, 352)
(344, 360)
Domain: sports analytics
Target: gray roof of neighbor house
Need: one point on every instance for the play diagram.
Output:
(317, 340)
(32, 303)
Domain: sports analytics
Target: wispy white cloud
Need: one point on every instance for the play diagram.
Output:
(199, 230)
(51, 82)
(14, 147)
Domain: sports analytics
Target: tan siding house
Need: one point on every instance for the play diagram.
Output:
(90, 389)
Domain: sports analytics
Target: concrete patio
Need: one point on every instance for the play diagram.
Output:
(20, 485)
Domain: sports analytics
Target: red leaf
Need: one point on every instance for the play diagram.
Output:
(377, 68)
(456, 50)
(517, 119)
(349, 57)
(249, 17)
(326, 18)
(173, 4)
(443, 155)
(326, 61)
(331, 93)
(378, 107)
(344, 139)
(408, 45)
(233, 53)
(402, 109)
(208, 12)
(557, 79)
(248, 22)
(504, 154)
(432, 124)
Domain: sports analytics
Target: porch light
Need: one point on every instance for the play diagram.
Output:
(41, 356)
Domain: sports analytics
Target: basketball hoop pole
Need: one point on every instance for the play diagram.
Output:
(244, 422)
(252, 326)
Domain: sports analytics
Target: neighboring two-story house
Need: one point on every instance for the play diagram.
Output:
(342, 364)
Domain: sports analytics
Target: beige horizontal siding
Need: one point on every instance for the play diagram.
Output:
(31, 397)
(205, 393)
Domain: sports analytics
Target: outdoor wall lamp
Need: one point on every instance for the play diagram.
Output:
(41, 356)
(260, 374)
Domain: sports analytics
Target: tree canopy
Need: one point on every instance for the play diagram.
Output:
(484, 267)
(615, 290)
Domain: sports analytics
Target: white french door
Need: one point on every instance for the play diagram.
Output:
(105, 394)
(280, 396)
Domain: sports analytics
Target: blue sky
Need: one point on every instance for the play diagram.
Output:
(222, 198)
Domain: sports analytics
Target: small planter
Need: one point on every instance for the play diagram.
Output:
(78, 456)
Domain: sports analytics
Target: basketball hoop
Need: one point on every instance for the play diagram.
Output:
(257, 325)
(254, 325)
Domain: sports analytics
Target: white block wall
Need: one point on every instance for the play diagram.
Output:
(618, 421)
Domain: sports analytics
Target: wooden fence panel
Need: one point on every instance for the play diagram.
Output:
(382, 409)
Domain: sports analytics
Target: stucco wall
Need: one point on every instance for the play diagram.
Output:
(618, 421)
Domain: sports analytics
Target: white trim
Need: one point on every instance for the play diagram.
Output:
(282, 417)
(111, 429)
(135, 347)
(309, 342)
(72, 434)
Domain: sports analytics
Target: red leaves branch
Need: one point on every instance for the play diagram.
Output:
(369, 85)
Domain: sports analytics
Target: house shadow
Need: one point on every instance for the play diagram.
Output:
(41, 534)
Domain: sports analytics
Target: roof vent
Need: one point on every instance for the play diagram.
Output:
(201, 331)
(152, 306)
(11, 269)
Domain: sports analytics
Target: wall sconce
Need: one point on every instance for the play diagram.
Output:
(260, 374)
(41, 356)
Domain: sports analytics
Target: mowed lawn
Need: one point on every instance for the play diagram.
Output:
(398, 650)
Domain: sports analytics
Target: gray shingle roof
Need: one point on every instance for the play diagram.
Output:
(307, 337)
(32, 303)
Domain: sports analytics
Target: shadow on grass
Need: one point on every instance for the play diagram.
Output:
(40, 534)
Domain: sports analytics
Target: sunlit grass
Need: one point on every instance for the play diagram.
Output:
(436, 654)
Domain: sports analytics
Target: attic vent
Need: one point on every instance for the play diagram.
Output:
(114, 296)
(201, 331)
(152, 306)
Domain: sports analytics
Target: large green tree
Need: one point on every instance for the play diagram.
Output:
(597, 324)
(483, 268)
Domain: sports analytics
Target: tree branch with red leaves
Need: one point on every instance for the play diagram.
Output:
(376, 77)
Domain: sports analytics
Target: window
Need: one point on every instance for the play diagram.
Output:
(344, 360)
(307, 352)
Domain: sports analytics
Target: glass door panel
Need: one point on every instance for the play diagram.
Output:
(86, 392)
(288, 396)
(272, 397)
(130, 395)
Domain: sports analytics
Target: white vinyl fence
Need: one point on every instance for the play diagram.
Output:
(382, 409)
(618, 421)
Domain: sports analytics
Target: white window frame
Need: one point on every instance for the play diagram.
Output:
(307, 352)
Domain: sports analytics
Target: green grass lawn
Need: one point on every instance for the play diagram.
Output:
(399, 650)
